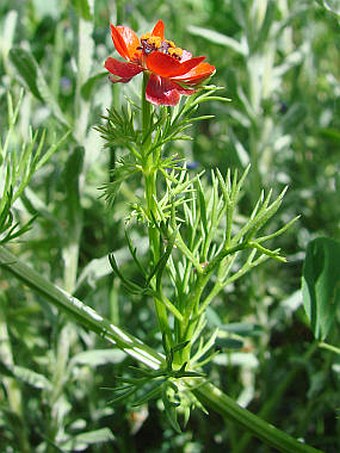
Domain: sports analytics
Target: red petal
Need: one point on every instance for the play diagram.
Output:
(196, 75)
(158, 30)
(184, 90)
(166, 66)
(161, 91)
(122, 70)
(125, 41)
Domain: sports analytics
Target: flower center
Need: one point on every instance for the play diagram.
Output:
(150, 43)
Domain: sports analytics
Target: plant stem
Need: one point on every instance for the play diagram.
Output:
(212, 397)
(114, 282)
(146, 112)
(329, 347)
(150, 182)
(84, 314)
(270, 404)
(207, 394)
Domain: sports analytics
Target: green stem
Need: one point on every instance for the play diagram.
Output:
(193, 311)
(271, 403)
(114, 282)
(207, 394)
(150, 181)
(146, 111)
(84, 314)
(329, 347)
(211, 396)
(186, 328)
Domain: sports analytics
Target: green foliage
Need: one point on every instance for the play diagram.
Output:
(33, 78)
(17, 168)
(278, 64)
(321, 285)
(121, 128)
(84, 8)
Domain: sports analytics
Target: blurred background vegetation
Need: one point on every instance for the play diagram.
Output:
(279, 64)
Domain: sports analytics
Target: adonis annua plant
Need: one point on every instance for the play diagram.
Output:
(195, 247)
(197, 243)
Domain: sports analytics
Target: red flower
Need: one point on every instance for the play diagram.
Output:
(172, 70)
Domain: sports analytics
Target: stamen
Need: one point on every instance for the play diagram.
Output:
(176, 52)
(155, 41)
(150, 43)
(170, 43)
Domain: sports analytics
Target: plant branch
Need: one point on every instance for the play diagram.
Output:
(212, 397)
(84, 314)
(206, 393)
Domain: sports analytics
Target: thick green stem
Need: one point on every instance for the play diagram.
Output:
(154, 243)
(84, 314)
(276, 397)
(207, 394)
(193, 311)
(213, 398)
(186, 328)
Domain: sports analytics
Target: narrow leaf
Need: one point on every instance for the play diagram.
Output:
(160, 265)
(97, 357)
(83, 8)
(218, 38)
(32, 378)
(31, 74)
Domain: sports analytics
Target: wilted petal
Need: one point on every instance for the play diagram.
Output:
(125, 41)
(122, 71)
(161, 91)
